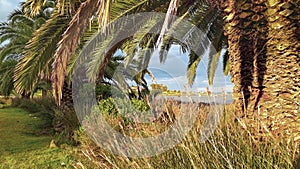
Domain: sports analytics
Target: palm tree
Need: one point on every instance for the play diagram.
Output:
(14, 34)
(41, 50)
(262, 39)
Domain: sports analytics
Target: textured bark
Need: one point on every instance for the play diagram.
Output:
(263, 39)
(67, 120)
(280, 102)
(246, 30)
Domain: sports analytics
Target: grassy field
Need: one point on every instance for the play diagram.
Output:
(24, 143)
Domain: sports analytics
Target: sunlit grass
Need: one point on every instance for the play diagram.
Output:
(230, 146)
(23, 143)
(19, 131)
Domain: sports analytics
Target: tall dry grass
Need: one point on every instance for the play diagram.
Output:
(231, 145)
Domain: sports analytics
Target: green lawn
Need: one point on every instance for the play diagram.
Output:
(19, 131)
(23, 144)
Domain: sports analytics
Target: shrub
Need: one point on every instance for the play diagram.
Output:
(107, 106)
(111, 106)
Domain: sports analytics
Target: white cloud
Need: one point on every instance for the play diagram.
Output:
(7, 6)
(179, 80)
(175, 64)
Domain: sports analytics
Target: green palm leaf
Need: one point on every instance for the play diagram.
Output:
(39, 53)
(70, 40)
(6, 74)
(194, 61)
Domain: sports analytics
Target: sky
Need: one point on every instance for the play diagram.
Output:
(7, 6)
(173, 72)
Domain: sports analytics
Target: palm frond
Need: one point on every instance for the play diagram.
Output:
(147, 71)
(132, 46)
(21, 18)
(210, 37)
(194, 61)
(13, 13)
(216, 36)
(172, 11)
(66, 7)
(69, 42)
(144, 55)
(124, 7)
(71, 37)
(39, 53)
(6, 74)
(168, 40)
(100, 56)
(33, 7)
(199, 14)
(212, 66)
(8, 50)
(8, 32)
(104, 13)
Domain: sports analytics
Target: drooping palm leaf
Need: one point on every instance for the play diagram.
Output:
(212, 66)
(33, 7)
(194, 61)
(215, 51)
(70, 40)
(39, 53)
(210, 23)
(6, 75)
(71, 37)
(145, 53)
(172, 11)
(131, 47)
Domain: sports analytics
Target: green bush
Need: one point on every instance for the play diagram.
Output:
(107, 106)
(140, 105)
(111, 106)
(104, 91)
(26, 104)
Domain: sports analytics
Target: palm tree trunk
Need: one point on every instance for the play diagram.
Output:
(246, 29)
(263, 39)
(67, 120)
(280, 101)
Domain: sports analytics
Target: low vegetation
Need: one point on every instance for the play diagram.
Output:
(25, 136)
(231, 145)
(27, 131)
